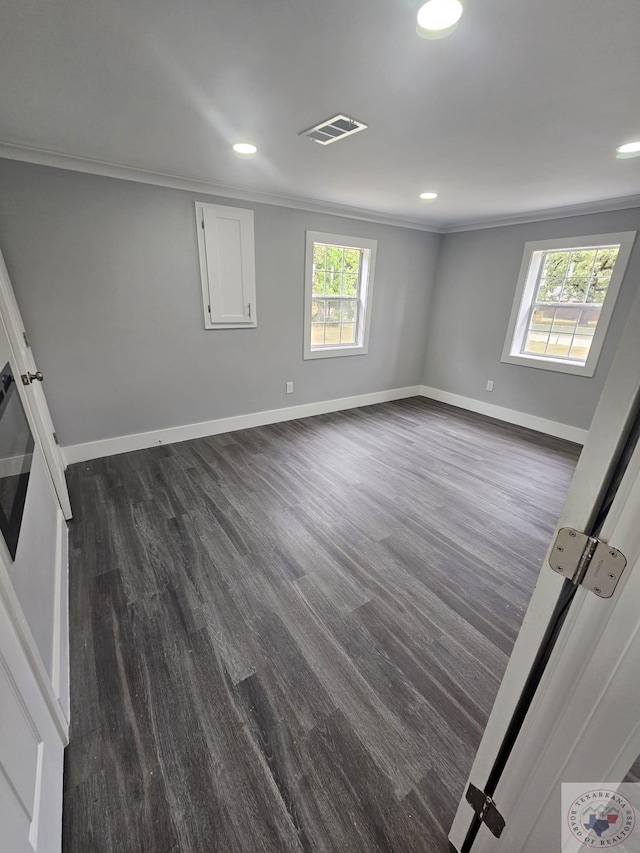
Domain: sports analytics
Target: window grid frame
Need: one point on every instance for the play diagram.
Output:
(337, 298)
(527, 289)
(359, 327)
(579, 306)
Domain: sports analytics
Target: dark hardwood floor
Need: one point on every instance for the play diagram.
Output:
(289, 638)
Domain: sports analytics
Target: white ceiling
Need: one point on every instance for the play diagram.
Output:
(520, 110)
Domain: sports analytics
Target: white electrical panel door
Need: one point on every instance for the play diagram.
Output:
(227, 266)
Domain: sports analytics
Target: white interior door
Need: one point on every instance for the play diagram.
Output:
(32, 741)
(615, 411)
(34, 647)
(35, 398)
(584, 724)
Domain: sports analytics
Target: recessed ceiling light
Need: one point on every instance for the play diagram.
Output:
(245, 149)
(629, 149)
(428, 196)
(438, 18)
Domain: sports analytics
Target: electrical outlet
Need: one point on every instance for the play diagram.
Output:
(289, 387)
(489, 384)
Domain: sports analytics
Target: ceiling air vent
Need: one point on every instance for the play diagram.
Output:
(333, 129)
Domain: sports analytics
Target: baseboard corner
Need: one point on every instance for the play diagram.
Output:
(512, 416)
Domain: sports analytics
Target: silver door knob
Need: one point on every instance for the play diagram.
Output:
(27, 378)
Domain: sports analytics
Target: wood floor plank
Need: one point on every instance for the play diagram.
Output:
(289, 638)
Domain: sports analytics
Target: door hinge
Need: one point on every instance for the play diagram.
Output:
(26, 340)
(202, 223)
(209, 307)
(55, 438)
(587, 561)
(485, 810)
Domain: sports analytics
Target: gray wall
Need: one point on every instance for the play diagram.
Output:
(105, 273)
(476, 280)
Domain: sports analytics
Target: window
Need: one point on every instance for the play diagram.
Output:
(338, 286)
(565, 298)
(227, 266)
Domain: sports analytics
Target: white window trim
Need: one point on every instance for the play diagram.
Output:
(367, 275)
(527, 281)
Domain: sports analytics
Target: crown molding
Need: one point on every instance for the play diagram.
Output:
(43, 157)
(604, 206)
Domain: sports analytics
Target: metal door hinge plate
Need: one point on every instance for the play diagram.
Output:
(587, 561)
(485, 810)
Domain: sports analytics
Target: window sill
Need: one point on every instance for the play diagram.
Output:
(557, 365)
(334, 352)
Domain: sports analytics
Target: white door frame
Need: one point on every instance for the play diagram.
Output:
(36, 399)
(606, 435)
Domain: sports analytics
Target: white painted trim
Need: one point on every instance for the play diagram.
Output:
(45, 157)
(60, 631)
(525, 295)
(42, 157)
(511, 416)
(367, 275)
(138, 441)
(604, 206)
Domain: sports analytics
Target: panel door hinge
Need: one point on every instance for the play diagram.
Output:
(202, 223)
(587, 561)
(26, 339)
(209, 308)
(485, 810)
(55, 438)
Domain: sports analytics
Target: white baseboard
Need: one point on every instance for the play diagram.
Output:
(511, 416)
(138, 441)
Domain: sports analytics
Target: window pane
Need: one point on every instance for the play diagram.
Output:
(566, 320)
(319, 255)
(555, 264)
(317, 334)
(350, 284)
(550, 289)
(335, 257)
(588, 321)
(333, 311)
(318, 283)
(318, 310)
(581, 262)
(352, 260)
(536, 343)
(349, 310)
(348, 333)
(598, 288)
(332, 334)
(559, 345)
(333, 281)
(580, 347)
(575, 289)
(542, 319)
